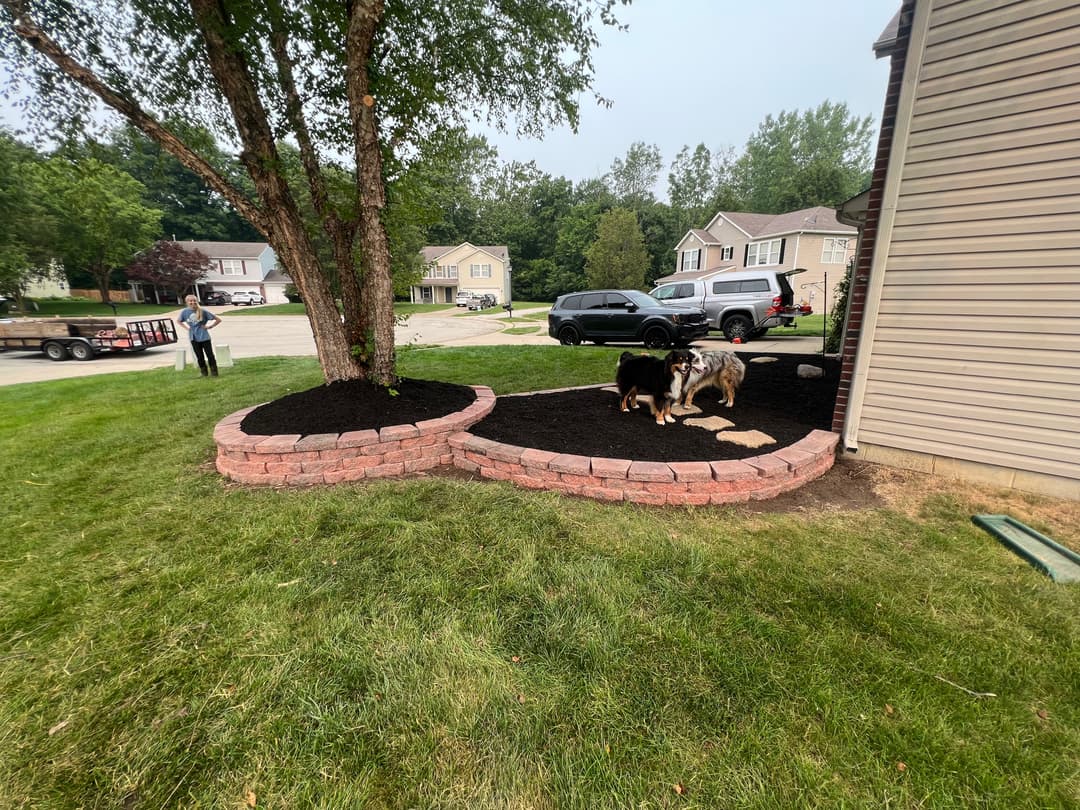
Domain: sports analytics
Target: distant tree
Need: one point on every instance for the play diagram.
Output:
(103, 221)
(169, 265)
(27, 229)
(691, 183)
(798, 160)
(618, 257)
(633, 179)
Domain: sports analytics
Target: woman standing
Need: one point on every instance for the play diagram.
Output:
(199, 322)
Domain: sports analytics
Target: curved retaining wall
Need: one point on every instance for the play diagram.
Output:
(329, 458)
(651, 482)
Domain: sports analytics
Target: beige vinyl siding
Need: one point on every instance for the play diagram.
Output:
(976, 348)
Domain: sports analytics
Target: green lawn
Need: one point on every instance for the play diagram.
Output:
(81, 307)
(170, 640)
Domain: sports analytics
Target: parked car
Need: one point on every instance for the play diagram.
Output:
(247, 298)
(463, 297)
(216, 298)
(623, 316)
(742, 304)
(482, 301)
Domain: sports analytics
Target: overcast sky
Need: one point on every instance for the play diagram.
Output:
(709, 71)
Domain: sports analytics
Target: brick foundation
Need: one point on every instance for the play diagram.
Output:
(392, 451)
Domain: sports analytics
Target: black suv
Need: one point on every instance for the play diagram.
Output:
(623, 316)
(216, 298)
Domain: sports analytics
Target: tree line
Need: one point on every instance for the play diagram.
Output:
(94, 208)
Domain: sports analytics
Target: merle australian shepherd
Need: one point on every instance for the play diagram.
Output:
(660, 376)
(721, 370)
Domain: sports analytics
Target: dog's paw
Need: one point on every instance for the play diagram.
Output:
(669, 419)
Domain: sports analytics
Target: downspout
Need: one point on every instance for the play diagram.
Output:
(890, 194)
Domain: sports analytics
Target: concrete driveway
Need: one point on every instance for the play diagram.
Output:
(290, 335)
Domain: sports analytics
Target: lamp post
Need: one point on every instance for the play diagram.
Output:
(509, 305)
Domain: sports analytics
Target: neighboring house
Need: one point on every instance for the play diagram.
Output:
(477, 268)
(812, 239)
(237, 267)
(962, 352)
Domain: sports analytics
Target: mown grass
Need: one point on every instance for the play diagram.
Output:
(169, 640)
(84, 308)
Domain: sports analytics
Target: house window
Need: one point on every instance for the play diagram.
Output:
(834, 251)
(727, 252)
(691, 260)
(451, 271)
(763, 253)
(479, 271)
(232, 267)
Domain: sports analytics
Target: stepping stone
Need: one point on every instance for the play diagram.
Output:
(709, 423)
(682, 410)
(745, 438)
(763, 359)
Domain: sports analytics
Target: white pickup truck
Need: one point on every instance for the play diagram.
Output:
(740, 303)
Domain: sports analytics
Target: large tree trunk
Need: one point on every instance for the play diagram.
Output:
(101, 276)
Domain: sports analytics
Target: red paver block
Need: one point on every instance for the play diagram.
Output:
(421, 465)
(445, 424)
(435, 451)
(580, 481)
(278, 444)
(360, 462)
(344, 476)
(571, 464)
(796, 460)
(465, 464)
(318, 441)
(284, 468)
(358, 438)
(476, 444)
(235, 468)
(537, 458)
(528, 482)
(402, 455)
(508, 453)
(817, 442)
(317, 466)
(732, 470)
(380, 448)
(395, 433)
(479, 459)
(689, 498)
(612, 467)
(649, 471)
(304, 479)
(671, 487)
(419, 441)
(647, 498)
(339, 453)
(769, 466)
(540, 474)
(498, 475)
(691, 471)
(624, 484)
(386, 470)
(603, 493)
(734, 496)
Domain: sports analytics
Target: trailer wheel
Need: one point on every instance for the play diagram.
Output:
(81, 351)
(55, 351)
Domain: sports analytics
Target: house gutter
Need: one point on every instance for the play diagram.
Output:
(890, 194)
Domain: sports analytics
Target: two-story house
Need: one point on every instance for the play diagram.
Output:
(236, 267)
(475, 268)
(812, 239)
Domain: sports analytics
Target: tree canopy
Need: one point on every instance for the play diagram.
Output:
(360, 87)
(618, 257)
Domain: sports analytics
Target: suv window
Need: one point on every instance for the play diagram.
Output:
(616, 301)
(592, 301)
(573, 302)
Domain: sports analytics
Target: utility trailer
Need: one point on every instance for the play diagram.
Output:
(84, 338)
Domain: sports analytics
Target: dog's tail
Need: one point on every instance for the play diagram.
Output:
(738, 368)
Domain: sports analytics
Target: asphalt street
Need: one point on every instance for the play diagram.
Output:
(290, 335)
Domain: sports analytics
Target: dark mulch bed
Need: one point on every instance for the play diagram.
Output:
(586, 422)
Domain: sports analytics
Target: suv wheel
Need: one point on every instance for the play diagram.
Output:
(738, 326)
(656, 337)
(569, 336)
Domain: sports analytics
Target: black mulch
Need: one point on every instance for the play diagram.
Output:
(773, 400)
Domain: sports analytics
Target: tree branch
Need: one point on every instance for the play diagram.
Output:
(28, 30)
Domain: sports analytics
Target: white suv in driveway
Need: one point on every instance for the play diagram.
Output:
(247, 298)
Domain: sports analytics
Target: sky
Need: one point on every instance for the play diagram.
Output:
(707, 71)
(710, 71)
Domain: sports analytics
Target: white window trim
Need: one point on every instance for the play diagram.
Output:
(754, 254)
(727, 253)
(691, 260)
(231, 264)
(832, 246)
(479, 271)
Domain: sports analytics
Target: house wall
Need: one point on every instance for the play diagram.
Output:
(463, 257)
(970, 358)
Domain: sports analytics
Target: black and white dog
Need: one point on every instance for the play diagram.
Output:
(662, 377)
(721, 370)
